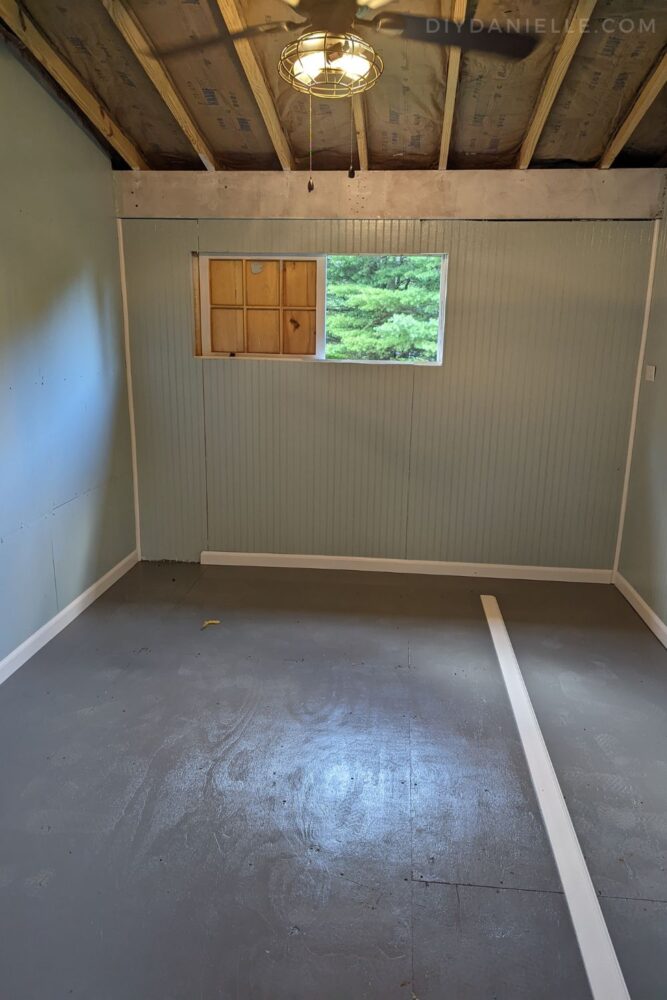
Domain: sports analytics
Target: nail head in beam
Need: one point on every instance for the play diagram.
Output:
(574, 32)
(45, 54)
(652, 86)
(143, 49)
(235, 21)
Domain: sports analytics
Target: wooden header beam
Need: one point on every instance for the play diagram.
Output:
(575, 31)
(393, 194)
(456, 13)
(235, 21)
(45, 54)
(142, 47)
(647, 95)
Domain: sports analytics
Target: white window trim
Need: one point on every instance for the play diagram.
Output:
(320, 319)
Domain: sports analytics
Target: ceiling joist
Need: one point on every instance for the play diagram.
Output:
(652, 86)
(142, 48)
(35, 42)
(360, 128)
(235, 21)
(457, 12)
(576, 28)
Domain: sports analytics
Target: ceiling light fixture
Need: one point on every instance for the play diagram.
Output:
(328, 65)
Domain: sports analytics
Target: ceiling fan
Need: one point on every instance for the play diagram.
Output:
(340, 17)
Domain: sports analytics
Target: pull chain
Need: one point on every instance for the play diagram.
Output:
(311, 183)
(350, 172)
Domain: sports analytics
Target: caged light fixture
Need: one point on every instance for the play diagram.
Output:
(329, 65)
(323, 64)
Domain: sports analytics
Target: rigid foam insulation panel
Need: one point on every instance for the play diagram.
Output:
(496, 97)
(608, 70)
(210, 80)
(89, 41)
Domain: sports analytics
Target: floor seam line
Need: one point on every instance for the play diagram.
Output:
(485, 885)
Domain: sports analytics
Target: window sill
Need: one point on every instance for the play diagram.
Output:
(309, 358)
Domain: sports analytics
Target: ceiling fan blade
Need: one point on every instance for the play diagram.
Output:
(194, 45)
(269, 28)
(469, 36)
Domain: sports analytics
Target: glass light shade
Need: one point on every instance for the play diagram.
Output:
(327, 65)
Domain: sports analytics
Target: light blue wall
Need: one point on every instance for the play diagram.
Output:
(512, 452)
(66, 509)
(644, 552)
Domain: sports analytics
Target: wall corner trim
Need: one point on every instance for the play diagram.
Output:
(645, 612)
(63, 618)
(429, 567)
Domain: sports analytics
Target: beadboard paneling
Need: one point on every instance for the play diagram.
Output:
(644, 553)
(168, 389)
(512, 452)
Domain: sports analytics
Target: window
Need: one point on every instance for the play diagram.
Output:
(382, 308)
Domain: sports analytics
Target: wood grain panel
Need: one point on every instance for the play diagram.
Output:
(262, 279)
(299, 331)
(300, 283)
(226, 282)
(227, 330)
(263, 331)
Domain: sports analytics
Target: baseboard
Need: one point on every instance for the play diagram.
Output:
(496, 571)
(646, 613)
(34, 642)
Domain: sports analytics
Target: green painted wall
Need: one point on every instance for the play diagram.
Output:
(644, 552)
(66, 509)
(513, 452)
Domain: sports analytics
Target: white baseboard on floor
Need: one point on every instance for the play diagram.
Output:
(646, 613)
(34, 642)
(496, 571)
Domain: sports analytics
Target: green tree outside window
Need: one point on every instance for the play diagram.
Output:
(383, 308)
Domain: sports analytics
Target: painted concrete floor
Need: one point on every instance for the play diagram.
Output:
(324, 797)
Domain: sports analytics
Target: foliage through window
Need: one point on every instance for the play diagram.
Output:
(384, 308)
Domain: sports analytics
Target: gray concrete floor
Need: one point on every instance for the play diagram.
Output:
(325, 796)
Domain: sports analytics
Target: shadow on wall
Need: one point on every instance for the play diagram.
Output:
(66, 512)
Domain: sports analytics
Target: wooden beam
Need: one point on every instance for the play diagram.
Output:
(576, 28)
(142, 47)
(359, 113)
(45, 54)
(652, 86)
(456, 12)
(392, 194)
(235, 21)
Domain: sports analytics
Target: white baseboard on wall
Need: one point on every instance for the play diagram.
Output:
(430, 567)
(646, 613)
(34, 642)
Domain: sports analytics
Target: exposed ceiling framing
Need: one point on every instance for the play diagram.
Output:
(457, 11)
(142, 48)
(235, 21)
(645, 98)
(19, 21)
(576, 26)
(593, 94)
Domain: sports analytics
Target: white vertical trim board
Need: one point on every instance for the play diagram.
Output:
(645, 612)
(50, 629)
(429, 567)
(635, 399)
(597, 951)
(130, 389)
